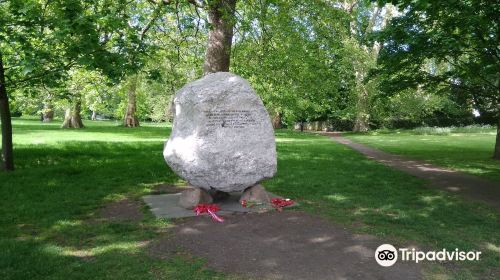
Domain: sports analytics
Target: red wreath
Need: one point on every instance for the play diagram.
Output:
(210, 209)
(279, 203)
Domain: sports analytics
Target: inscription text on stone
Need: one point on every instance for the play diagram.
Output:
(230, 118)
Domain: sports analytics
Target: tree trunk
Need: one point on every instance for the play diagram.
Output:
(130, 119)
(496, 155)
(170, 112)
(94, 115)
(362, 65)
(73, 118)
(362, 103)
(361, 124)
(220, 36)
(277, 121)
(48, 112)
(7, 147)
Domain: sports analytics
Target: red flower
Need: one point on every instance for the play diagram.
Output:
(279, 203)
(210, 209)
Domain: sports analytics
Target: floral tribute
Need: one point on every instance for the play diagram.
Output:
(211, 209)
(277, 203)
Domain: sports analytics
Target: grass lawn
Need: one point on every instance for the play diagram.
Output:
(49, 226)
(465, 151)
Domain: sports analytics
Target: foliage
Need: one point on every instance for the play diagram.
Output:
(444, 47)
(302, 59)
(425, 130)
(285, 47)
(41, 40)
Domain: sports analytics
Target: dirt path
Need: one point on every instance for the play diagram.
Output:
(470, 187)
(296, 245)
(286, 245)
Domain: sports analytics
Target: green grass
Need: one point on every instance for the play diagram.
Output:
(50, 201)
(464, 149)
(49, 227)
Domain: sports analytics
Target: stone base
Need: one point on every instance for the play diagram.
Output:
(167, 206)
(257, 194)
(219, 196)
(192, 197)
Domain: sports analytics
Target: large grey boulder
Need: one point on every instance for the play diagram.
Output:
(222, 137)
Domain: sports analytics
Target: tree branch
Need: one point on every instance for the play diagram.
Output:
(157, 2)
(155, 16)
(197, 3)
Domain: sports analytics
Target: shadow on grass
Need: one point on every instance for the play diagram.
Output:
(335, 181)
(57, 188)
(53, 197)
(97, 251)
(55, 178)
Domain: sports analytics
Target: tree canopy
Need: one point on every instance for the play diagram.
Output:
(354, 64)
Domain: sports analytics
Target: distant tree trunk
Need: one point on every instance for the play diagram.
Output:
(277, 121)
(220, 36)
(496, 155)
(73, 118)
(7, 147)
(363, 64)
(170, 112)
(48, 112)
(94, 115)
(130, 119)
(361, 124)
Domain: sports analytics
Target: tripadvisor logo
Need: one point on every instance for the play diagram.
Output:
(387, 255)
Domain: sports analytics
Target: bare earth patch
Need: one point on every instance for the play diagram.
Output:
(287, 245)
(123, 210)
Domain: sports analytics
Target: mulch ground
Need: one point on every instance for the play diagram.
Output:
(280, 245)
(123, 210)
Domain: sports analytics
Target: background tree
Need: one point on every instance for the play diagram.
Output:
(41, 40)
(142, 17)
(221, 21)
(462, 36)
(365, 17)
(218, 48)
(285, 48)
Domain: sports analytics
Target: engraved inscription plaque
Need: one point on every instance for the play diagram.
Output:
(230, 118)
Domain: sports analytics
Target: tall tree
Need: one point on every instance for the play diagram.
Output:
(72, 117)
(7, 150)
(291, 52)
(220, 37)
(221, 21)
(41, 40)
(130, 119)
(143, 16)
(365, 17)
(462, 35)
